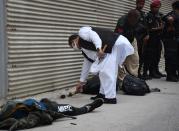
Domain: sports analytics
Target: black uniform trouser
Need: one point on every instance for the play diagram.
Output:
(177, 40)
(141, 57)
(157, 49)
(152, 54)
(170, 46)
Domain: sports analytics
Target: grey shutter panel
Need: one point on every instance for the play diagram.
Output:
(39, 59)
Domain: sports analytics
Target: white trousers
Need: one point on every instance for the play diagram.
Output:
(108, 75)
(108, 67)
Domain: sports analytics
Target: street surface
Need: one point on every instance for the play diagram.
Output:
(157, 111)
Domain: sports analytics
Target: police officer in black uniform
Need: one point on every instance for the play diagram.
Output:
(170, 40)
(176, 24)
(153, 48)
(141, 42)
(133, 29)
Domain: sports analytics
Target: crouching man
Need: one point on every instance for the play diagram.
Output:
(104, 51)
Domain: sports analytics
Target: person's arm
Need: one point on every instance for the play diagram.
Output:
(141, 32)
(84, 74)
(85, 70)
(145, 35)
(159, 28)
(86, 33)
(160, 22)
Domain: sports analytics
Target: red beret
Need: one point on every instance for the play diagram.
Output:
(155, 3)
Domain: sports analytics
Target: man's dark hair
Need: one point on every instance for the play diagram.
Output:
(71, 38)
(138, 1)
(133, 13)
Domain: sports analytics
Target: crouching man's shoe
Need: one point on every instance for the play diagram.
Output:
(97, 96)
(95, 104)
(110, 100)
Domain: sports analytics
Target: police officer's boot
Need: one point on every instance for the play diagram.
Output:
(153, 74)
(159, 73)
(171, 76)
(145, 76)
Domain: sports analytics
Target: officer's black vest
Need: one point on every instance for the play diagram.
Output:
(107, 36)
(142, 19)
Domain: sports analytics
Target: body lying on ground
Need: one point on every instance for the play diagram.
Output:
(16, 115)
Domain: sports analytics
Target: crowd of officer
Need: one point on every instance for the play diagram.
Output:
(157, 30)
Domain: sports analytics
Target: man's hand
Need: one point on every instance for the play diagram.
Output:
(158, 29)
(161, 26)
(79, 86)
(100, 53)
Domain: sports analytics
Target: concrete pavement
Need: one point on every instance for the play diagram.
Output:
(152, 112)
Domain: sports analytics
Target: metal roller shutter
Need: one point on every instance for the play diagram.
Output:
(39, 58)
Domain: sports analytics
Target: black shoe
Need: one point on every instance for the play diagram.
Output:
(172, 79)
(155, 75)
(162, 75)
(110, 101)
(97, 96)
(95, 104)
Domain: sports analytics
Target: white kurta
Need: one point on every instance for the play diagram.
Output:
(108, 67)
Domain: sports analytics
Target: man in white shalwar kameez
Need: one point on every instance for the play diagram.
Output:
(104, 51)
